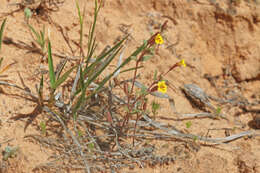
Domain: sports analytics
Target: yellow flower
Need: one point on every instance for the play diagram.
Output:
(182, 62)
(162, 87)
(158, 39)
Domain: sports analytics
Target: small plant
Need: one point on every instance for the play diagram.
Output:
(188, 124)
(155, 108)
(80, 133)
(218, 110)
(91, 146)
(39, 37)
(9, 152)
(55, 81)
(137, 103)
(43, 127)
(27, 14)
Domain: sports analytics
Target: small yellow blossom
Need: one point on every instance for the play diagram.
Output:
(158, 39)
(182, 62)
(162, 87)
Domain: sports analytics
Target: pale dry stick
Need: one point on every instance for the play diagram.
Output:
(191, 136)
(92, 121)
(87, 168)
(196, 115)
(74, 86)
(154, 135)
(167, 137)
(119, 61)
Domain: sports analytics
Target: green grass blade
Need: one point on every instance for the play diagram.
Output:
(121, 66)
(42, 38)
(41, 86)
(99, 60)
(103, 66)
(131, 69)
(63, 78)
(140, 49)
(81, 78)
(1, 32)
(101, 57)
(86, 84)
(108, 77)
(89, 44)
(103, 82)
(36, 34)
(38, 37)
(40, 91)
(1, 60)
(51, 68)
(81, 24)
(93, 48)
(92, 28)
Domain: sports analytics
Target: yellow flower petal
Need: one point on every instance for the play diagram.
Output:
(158, 39)
(182, 62)
(162, 87)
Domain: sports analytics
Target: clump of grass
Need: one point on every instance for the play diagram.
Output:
(89, 71)
(82, 142)
(38, 36)
(87, 84)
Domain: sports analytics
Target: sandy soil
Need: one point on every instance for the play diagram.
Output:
(219, 40)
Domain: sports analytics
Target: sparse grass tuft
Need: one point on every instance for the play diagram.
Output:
(39, 37)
